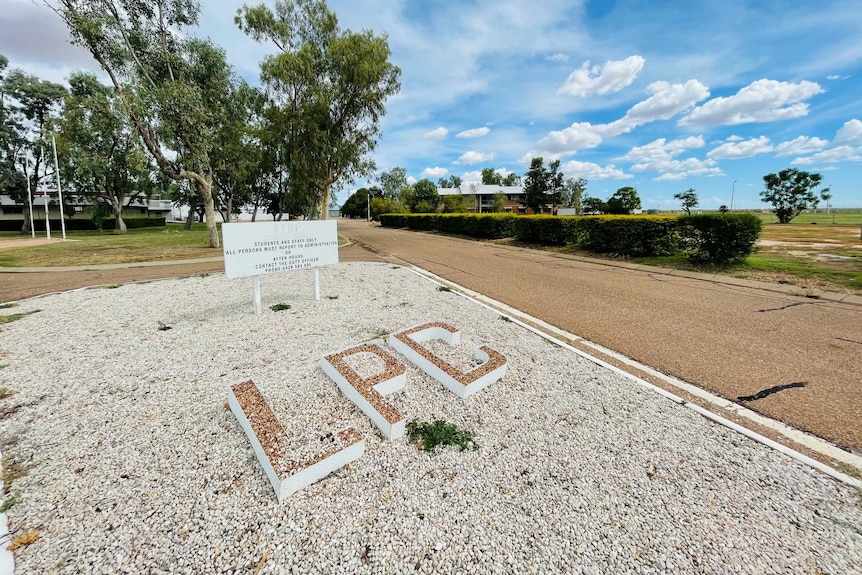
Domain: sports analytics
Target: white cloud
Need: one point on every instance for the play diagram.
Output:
(836, 77)
(591, 171)
(578, 136)
(474, 133)
(662, 149)
(437, 134)
(473, 157)
(800, 145)
(667, 100)
(610, 77)
(761, 101)
(411, 180)
(737, 150)
(659, 156)
(558, 57)
(832, 156)
(436, 172)
(470, 178)
(850, 133)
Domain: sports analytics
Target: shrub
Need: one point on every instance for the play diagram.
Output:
(78, 224)
(635, 236)
(492, 226)
(720, 238)
(545, 230)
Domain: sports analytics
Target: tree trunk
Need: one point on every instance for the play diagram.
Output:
(117, 208)
(191, 217)
(25, 229)
(206, 191)
(229, 209)
(254, 213)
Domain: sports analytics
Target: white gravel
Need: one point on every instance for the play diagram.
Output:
(139, 468)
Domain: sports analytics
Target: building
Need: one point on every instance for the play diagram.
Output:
(485, 197)
(75, 207)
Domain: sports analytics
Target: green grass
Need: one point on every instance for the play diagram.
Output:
(837, 217)
(280, 307)
(804, 270)
(796, 267)
(167, 243)
(7, 305)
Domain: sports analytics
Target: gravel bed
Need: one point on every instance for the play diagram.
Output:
(138, 467)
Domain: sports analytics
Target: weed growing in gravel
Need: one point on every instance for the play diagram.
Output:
(507, 319)
(280, 307)
(5, 391)
(113, 286)
(8, 503)
(23, 540)
(13, 470)
(332, 297)
(850, 470)
(15, 316)
(379, 332)
(440, 432)
(7, 305)
(444, 288)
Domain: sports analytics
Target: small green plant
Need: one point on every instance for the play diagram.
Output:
(379, 332)
(440, 432)
(444, 288)
(280, 307)
(7, 305)
(507, 319)
(8, 503)
(5, 391)
(332, 297)
(113, 286)
(204, 275)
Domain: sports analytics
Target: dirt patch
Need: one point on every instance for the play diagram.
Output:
(29, 242)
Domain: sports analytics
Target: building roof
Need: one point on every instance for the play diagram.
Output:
(481, 190)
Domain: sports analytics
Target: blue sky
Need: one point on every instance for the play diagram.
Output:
(659, 95)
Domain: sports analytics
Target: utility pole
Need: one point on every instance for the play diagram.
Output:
(732, 192)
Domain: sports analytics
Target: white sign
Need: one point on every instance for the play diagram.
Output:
(270, 247)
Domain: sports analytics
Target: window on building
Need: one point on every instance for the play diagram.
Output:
(13, 209)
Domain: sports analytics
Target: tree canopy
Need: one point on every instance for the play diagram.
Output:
(688, 199)
(791, 191)
(328, 89)
(173, 85)
(28, 106)
(624, 201)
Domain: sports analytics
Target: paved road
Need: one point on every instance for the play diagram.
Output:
(732, 340)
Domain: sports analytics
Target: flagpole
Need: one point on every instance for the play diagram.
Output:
(59, 192)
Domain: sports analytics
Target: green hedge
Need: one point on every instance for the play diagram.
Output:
(634, 236)
(490, 226)
(711, 238)
(720, 238)
(79, 224)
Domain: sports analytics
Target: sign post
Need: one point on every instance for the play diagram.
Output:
(270, 247)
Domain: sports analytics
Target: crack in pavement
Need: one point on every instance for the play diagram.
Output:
(770, 390)
(850, 340)
(786, 306)
(452, 267)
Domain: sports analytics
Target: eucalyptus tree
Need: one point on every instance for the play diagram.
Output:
(238, 160)
(173, 85)
(102, 154)
(28, 106)
(328, 89)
